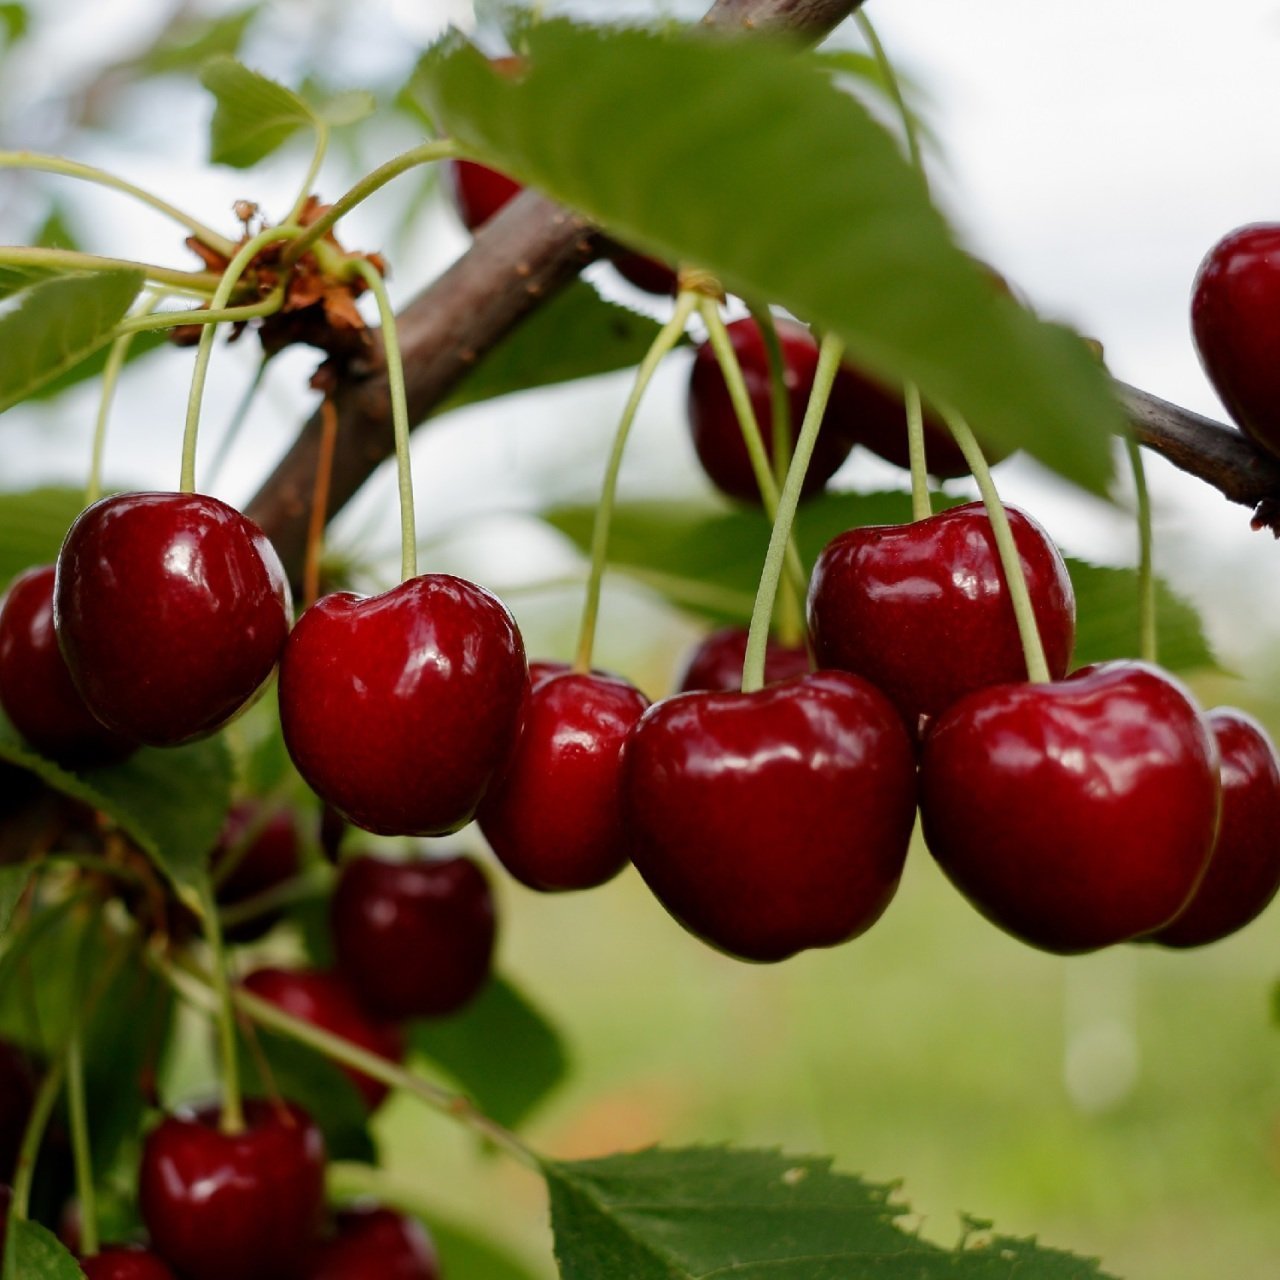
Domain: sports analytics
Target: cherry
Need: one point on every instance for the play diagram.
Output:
(17, 1092)
(399, 709)
(35, 686)
(1235, 320)
(1078, 814)
(478, 192)
(923, 612)
(553, 819)
(1244, 872)
(772, 821)
(649, 274)
(717, 436)
(246, 1205)
(247, 862)
(415, 939)
(371, 1243)
(125, 1262)
(171, 610)
(327, 1001)
(715, 662)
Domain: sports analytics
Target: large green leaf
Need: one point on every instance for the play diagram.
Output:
(254, 116)
(34, 1253)
(749, 161)
(500, 1050)
(13, 883)
(33, 524)
(17, 276)
(759, 1215)
(575, 335)
(58, 323)
(188, 45)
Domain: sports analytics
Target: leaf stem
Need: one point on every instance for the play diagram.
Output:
(1011, 562)
(921, 506)
(201, 283)
(205, 315)
(829, 356)
(665, 341)
(28, 1153)
(88, 173)
(313, 170)
(232, 1120)
(1148, 645)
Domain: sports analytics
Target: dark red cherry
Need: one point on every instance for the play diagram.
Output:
(1235, 319)
(246, 1205)
(35, 686)
(171, 610)
(256, 852)
(327, 1001)
(399, 709)
(773, 821)
(649, 274)
(1244, 872)
(415, 939)
(717, 437)
(715, 662)
(478, 192)
(125, 1262)
(17, 1092)
(371, 1243)
(1077, 814)
(922, 610)
(553, 819)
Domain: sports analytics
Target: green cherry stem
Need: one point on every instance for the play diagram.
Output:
(205, 316)
(82, 1154)
(232, 1121)
(665, 341)
(38, 1121)
(921, 506)
(244, 256)
(88, 173)
(200, 283)
(313, 170)
(1146, 574)
(399, 414)
(829, 356)
(1010, 561)
(894, 86)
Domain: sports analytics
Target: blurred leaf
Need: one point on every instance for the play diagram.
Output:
(190, 45)
(575, 335)
(349, 107)
(143, 344)
(500, 1050)
(17, 276)
(34, 1253)
(56, 324)
(172, 801)
(14, 21)
(681, 1215)
(673, 142)
(13, 884)
(468, 1256)
(56, 232)
(254, 116)
(33, 524)
(39, 969)
(863, 67)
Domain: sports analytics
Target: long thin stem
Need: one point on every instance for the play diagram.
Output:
(82, 1154)
(244, 256)
(921, 506)
(894, 85)
(205, 315)
(232, 1109)
(1148, 645)
(1011, 562)
(313, 171)
(201, 283)
(399, 415)
(88, 173)
(38, 1121)
(829, 356)
(665, 341)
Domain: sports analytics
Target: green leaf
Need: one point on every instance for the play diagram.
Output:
(56, 231)
(17, 276)
(13, 883)
(759, 1215)
(172, 801)
(143, 344)
(349, 107)
(56, 324)
(14, 21)
(750, 162)
(500, 1050)
(575, 335)
(254, 116)
(34, 1253)
(33, 524)
(191, 45)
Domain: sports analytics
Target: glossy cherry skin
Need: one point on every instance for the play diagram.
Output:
(125, 1262)
(649, 274)
(478, 192)
(246, 1205)
(171, 611)
(554, 819)
(1078, 814)
(327, 1001)
(415, 939)
(35, 686)
(399, 709)
(1235, 319)
(773, 821)
(717, 437)
(370, 1243)
(922, 610)
(262, 852)
(1244, 872)
(715, 662)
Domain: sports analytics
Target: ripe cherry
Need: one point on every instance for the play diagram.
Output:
(246, 1205)
(717, 436)
(923, 611)
(125, 1262)
(371, 1243)
(399, 709)
(553, 819)
(1077, 814)
(773, 821)
(171, 610)
(35, 686)
(327, 1001)
(256, 852)
(415, 939)
(1244, 873)
(478, 192)
(715, 662)
(1235, 319)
